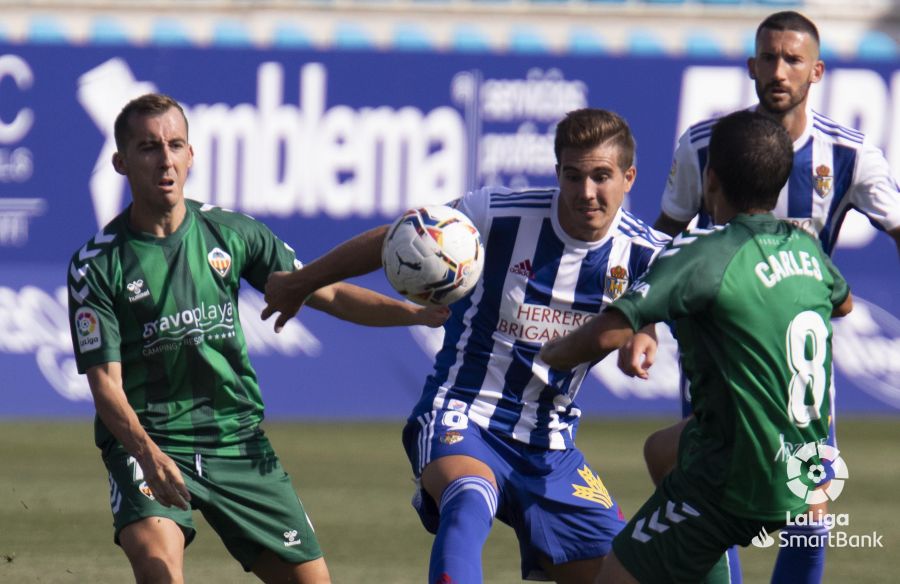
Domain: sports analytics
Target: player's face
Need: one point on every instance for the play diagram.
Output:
(591, 190)
(786, 64)
(156, 160)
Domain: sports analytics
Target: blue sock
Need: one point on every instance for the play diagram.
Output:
(468, 506)
(734, 565)
(798, 563)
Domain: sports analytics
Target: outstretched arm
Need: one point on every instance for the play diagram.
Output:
(638, 354)
(160, 471)
(367, 307)
(287, 291)
(592, 341)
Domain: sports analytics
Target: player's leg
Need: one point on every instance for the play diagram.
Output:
(253, 507)
(155, 548)
(459, 491)
(153, 537)
(272, 569)
(577, 572)
(467, 491)
(614, 572)
(661, 450)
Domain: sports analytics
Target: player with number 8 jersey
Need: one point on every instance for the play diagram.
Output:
(745, 334)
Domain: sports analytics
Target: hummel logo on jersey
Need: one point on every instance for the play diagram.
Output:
(523, 269)
(137, 292)
(290, 538)
(220, 261)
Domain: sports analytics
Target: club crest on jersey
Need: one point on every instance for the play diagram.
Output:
(616, 282)
(823, 180)
(220, 261)
(452, 437)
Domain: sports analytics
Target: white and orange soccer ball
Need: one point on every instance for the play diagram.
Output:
(433, 255)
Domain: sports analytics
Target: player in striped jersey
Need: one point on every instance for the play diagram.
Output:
(835, 170)
(493, 433)
(154, 316)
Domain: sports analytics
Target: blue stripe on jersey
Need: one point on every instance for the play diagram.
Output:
(832, 128)
(545, 266)
(517, 376)
(800, 187)
(589, 290)
(638, 259)
(702, 129)
(530, 199)
(499, 246)
(844, 159)
(634, 227)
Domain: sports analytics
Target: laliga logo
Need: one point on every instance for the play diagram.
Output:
(816, 473)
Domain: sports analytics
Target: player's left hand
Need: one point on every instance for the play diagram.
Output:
(283, 295)
(637, 355)
(434, 316)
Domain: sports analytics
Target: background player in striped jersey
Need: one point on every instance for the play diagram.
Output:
(154, 316)
(756, 345)
(834, 170)
(494, 430)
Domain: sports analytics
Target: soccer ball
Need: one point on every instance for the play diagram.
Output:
(433, 255)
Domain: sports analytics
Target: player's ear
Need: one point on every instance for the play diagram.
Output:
(630, 175)
(751, 67)
(119, 163)
(818, 71)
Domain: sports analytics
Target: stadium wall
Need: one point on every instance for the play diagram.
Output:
(323, 143)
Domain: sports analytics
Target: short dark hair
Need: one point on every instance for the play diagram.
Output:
(752, 156)
(788, 20)
(591, 127)
(147, 104)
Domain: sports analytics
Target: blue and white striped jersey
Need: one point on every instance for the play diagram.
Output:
(538, 283)
(835, 170)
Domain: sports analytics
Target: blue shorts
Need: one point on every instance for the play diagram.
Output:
(555, 502)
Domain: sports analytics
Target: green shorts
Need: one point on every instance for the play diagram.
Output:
(249, 502)
(677, 537)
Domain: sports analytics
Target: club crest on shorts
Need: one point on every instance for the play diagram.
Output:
(822, 181)
(144, 488)
(220, 261)
(616, 282)
(450, 438)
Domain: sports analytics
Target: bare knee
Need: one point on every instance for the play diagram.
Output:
(155, 548)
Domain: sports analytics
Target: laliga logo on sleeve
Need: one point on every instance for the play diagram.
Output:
(830, 467)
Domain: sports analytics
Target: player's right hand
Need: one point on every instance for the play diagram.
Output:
(637, 355)
(165, 480)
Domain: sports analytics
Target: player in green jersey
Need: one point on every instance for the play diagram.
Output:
(751, 302)
(153, 302)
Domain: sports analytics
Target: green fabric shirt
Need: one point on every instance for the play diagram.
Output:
(751, 303)
(167, 309)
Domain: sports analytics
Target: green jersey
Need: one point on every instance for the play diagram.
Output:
(167, 309)
(751, 303)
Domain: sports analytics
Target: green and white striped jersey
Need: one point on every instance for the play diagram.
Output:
(167, 309)
(752, 304)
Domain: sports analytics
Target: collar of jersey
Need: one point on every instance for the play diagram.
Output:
(167, 241)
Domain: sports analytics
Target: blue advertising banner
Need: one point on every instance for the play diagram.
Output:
(322, 145)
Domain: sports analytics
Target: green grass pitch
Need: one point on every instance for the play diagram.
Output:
(55, 523)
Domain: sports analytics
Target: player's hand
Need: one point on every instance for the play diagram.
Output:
(433, 316)
(637, 355)
(164, 479)
(285, 295)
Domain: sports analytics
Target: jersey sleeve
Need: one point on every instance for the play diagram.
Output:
(681, 280)
(474, 205)
(93, 323)
(683, 194)
(266, 253)
(875, 192)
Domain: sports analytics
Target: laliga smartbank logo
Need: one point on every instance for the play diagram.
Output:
(816, 474)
